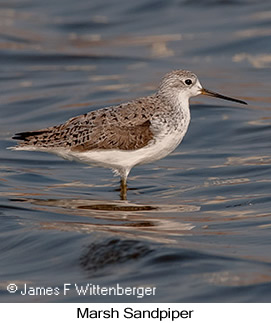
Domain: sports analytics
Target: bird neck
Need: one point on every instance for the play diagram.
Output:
(176, 101)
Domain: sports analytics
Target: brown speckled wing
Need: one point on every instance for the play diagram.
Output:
(125, 127)
(117, 137)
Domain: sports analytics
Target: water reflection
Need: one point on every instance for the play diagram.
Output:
(98, 255)
(238, 278)
(257, 61)
(117, 217)
(251, 160)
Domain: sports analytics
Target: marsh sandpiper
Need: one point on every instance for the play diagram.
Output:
(121, 137)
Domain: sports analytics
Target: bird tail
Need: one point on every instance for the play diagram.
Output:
(25, 136)
(27, 139)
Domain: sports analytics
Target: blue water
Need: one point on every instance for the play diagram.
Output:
(197, 224)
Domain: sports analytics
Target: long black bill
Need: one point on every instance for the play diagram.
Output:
(217, 95)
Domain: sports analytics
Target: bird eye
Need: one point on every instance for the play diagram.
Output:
(188, 82)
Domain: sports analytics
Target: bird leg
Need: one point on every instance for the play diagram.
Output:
(123, 188)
